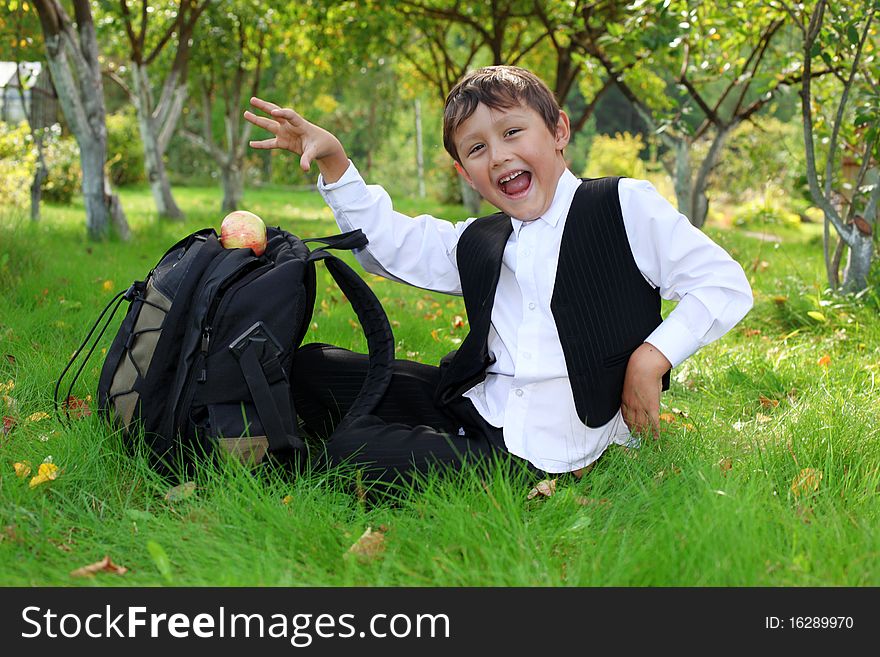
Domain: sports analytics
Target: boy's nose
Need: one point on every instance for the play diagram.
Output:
(499, 157)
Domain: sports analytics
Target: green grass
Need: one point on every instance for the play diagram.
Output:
(712, 503)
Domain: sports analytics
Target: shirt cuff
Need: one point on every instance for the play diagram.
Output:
(674, 340)
(349, 189)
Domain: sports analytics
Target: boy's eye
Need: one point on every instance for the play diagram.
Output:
(475, 149)
(512, 131)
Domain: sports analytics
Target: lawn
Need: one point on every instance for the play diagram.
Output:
(766, 474)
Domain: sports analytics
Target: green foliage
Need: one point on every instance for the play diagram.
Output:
(18, 161)
(578, 149)
(763, 212)
(616, 156)
(761, 155)
(63, 162)
(125, 155)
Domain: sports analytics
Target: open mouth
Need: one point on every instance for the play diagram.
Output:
(515, 184)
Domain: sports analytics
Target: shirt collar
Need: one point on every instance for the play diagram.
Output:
(565, 189)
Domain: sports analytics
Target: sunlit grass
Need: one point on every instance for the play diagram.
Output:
(719, 500)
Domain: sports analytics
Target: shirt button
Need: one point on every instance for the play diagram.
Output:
(532, 305)
(519, 392)
(527, 253)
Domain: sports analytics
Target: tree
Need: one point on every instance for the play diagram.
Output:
(695, 72)
(157, 119)
(21, 24)
(230, 53)
(72, 53)
(845, 119)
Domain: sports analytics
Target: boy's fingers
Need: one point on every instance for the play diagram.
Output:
(264, 105)
(262, 122)
(305, 162)
(289, 114)
(264, 143)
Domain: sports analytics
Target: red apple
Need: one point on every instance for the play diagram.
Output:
(242, 230)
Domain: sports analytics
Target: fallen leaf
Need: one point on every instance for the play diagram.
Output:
(102, 566)
(545, 487)
(353, 324)
(815, 314)
(370, 545)
(36, 417)
(9, 386)
(763, 419)
(181, 492)
(751, 332)
(161, 560)
(667, 417)
(458, 322)
(77, 408)
(6, 426)
(726, 466)
(46, 472)
(825, 361)
(9, 534)
(22, 469)
(780, 300)
(436, 335)
(805, 513)
(287, 499)
(806, 481)
(767, 402)
(107, 286)
(11, 359)
(592, 501)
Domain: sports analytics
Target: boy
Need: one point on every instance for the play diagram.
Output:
(567, 352)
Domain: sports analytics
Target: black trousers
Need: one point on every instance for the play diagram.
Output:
(406, 434)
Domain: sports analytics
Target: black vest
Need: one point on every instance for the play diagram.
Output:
(603, 307)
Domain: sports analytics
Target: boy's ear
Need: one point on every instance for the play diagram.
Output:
(563, 131)
(463, 173)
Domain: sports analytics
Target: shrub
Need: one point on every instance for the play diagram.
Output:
(759, 156)
(18, 161)
(125, 153)
(62, 161)
(764, 212)
(616, 156)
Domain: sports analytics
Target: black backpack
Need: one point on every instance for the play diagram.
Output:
(202, 359)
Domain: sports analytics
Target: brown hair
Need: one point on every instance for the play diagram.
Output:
(497, 87)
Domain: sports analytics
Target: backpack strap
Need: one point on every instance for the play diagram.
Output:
(257, 352)
(380, 339)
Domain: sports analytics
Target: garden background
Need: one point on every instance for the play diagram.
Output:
(122, 132)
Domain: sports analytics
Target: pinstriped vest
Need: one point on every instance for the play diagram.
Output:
(603, 307)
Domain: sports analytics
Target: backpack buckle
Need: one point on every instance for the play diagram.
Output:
(259, 337)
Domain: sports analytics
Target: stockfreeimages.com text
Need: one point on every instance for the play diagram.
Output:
(300, 629)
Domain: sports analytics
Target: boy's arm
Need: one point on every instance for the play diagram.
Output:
(420, 251)
(711, 288)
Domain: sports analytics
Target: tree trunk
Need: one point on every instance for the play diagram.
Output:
(153, 150)
(81, 96)
(470, 198)
(40, 175)
(682, 178)
(97, 203)
(699, 195)
(858, 266)
(233, 186)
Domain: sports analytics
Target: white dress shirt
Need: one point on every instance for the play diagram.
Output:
(526, 390)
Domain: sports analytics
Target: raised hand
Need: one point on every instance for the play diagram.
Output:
(293, 133)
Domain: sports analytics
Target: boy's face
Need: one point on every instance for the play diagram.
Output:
(512, 159)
